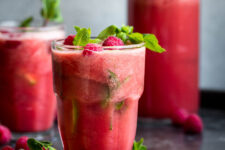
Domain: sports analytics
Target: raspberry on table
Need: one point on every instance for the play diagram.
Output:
(21, 143)
(193, 124)
(179, 117)
(7, 147)
(91, 47)
(69, 40)
(113, 41)
(5, 135)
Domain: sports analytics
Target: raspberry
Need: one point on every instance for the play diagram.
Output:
(113, 41)
(91, 47)
(69, 40)
(7, 147)
(21, 143)
(5, 135)
(4, 31)
(179, 117)
(193, 124)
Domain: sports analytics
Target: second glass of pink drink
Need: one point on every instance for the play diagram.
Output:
(171, 79)
(98, 95)
(27, 100)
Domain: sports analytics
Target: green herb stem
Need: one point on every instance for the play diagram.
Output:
(45, 23)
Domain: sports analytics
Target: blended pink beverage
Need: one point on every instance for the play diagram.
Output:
(98, 95)
(27, 100)
(171, 78)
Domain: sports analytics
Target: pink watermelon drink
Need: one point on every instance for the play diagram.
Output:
(171, 79)
(98, 96)
(27, 100)
(98, 87)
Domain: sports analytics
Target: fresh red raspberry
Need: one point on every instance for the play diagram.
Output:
(69, 40)
(21, 143)
(113, 41)
(4, 31)
(5, 135)
(91, 47)
(179, 117)
(193, 124)
(7, 147)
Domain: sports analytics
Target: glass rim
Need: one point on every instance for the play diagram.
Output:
(57, 45)
(50, 27)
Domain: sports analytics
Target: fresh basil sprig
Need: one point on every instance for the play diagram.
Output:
(51, 11)
(39, 145)
(126, 34)
(83, 37)
(151, 42)
(111, 30)
(26, 22)
(139, 145)
(136, 38)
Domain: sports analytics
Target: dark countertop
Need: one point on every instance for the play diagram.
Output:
(160, 135)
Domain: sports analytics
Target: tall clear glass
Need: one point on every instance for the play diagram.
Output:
(171, 78)
(27, 100)
(98, 95)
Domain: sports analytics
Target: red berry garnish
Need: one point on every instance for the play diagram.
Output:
(69, 40)
(91, 47)
(21, 143)
(7, 147)
(5, 135)
(113, 41)
(179, 117)
(4, 31)
(193, 124)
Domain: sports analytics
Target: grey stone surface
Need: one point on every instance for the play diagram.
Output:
(160, 135)
(98, 14)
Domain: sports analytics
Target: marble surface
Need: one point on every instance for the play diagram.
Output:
(160, 135)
